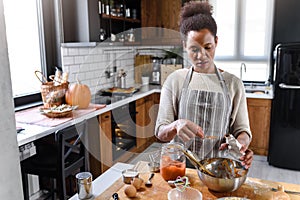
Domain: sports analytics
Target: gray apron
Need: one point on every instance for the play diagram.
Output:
(210, 110)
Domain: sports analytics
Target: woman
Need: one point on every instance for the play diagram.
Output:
(199, 105)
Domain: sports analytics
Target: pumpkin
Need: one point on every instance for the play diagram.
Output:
(78, 95)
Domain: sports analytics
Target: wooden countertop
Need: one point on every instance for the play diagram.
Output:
(252, 189)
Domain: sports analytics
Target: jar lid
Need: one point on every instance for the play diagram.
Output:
(84, 177)
(172, 147)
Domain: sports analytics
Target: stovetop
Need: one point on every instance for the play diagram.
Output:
(103, 99)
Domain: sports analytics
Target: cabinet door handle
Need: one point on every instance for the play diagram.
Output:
(285, 86)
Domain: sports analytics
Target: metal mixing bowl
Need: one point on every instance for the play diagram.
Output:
(229, 174)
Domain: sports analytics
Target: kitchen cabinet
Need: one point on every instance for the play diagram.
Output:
(147, 109)
(162, 14)
(105, 141)
(140, 122)
(259, 111)
(107, 146)
(117, 16)
(146, 112)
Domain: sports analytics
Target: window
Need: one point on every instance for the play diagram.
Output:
(33, 41)
(244, 31)
(25, 46)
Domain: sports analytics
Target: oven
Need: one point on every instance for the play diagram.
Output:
(123, 125)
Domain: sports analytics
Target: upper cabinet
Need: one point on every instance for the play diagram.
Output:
(158, 13)
(164, 15)
(119, 17)
(98, 20)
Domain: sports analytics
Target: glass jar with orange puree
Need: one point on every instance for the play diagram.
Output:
(172, 162)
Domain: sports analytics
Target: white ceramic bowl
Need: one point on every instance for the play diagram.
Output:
(188, 194)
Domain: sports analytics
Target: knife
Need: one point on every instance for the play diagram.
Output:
(287, 191)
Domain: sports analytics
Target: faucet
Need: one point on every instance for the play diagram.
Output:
(243, 65)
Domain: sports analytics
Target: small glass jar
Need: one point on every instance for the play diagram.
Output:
(172, 161)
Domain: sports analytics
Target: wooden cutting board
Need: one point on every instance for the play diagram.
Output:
(252, 189)
(142, 67)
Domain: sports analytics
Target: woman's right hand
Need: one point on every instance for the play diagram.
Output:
(187, 130)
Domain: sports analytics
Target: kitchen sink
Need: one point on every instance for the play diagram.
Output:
(258, 89)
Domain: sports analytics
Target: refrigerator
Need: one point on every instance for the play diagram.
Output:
(284, 143)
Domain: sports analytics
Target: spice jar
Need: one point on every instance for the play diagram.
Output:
(172, 161)
(84, 185)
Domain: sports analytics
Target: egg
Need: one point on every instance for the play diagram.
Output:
(137, 183)
(130, 191)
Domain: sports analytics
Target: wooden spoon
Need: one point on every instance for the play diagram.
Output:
(196, 163)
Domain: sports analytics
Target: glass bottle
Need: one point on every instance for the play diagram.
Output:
(172, 161)
(107, 8)
(102, 35)
(100, 7)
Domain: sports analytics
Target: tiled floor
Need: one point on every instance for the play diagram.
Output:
(260, 167)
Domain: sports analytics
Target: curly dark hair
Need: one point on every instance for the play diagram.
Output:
(195, 16)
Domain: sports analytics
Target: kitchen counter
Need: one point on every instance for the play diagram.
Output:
(33, 132)
(110, 182)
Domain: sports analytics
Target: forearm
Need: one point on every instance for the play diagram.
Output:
(244, 139)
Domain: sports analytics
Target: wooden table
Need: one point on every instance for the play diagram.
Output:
(252, 189)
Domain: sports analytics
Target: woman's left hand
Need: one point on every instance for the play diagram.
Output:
(244, 140)
(247, 158)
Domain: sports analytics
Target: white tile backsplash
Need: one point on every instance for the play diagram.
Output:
(89, 64)
(68, 60)
(73, 51)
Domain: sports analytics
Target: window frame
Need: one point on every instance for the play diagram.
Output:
(240, 35)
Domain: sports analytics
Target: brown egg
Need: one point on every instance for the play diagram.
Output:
(130, 191)
(137, 183)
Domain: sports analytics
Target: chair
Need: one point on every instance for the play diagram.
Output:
(59, 160)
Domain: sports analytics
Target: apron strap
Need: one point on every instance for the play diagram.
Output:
(186, 82)
(188, 78)
(226, 94)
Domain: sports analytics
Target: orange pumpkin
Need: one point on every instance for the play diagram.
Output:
(78, 94)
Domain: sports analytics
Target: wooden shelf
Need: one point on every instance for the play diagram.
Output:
(104, 16)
